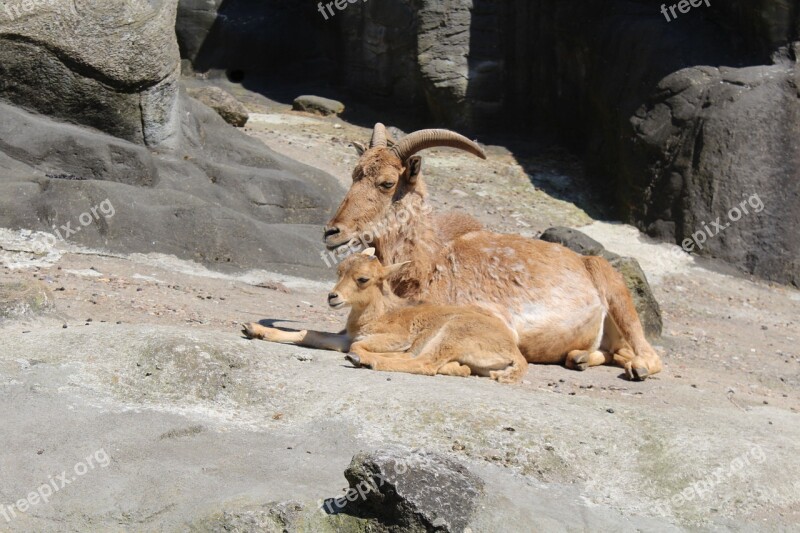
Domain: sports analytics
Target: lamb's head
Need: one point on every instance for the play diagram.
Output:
(387, 174)
(362, 281)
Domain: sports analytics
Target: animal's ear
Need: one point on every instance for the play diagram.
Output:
(369, 251)
(360, 148)
(413, 168)
(390, 270)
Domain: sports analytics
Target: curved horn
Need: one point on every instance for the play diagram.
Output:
(420, 140)
(378, 136)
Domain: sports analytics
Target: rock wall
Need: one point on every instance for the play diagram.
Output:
(443, 56)
(92, 115)
(250, 41)
(81, 62)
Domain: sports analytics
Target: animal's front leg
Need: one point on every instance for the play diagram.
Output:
(408, 364)
(312, 339)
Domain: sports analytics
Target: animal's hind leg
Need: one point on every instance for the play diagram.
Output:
(583, 359)
(623, 318)
(515, 371)
(625, 358)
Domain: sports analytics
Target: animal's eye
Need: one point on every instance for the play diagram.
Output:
(386, 185)
(362, 280)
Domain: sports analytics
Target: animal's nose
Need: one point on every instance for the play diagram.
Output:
(332, 296)
(330, 231)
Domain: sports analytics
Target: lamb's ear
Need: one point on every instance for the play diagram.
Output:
(369, 251)
(391, 270)
(360, 148)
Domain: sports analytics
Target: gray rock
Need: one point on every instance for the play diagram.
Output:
(228, 107)
(412, 490)
(643, 298)
(646, 304)
(441, 56)
(222, 198)
(317, 105)
(81, 63)
(83, 385)
(280, 517)
(575, 240)
(676, 144)
(717, 148)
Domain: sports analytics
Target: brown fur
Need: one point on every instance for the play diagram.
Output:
(388, 333)
(564, 308)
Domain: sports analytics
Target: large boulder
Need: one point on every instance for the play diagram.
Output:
(110, 65)
(222, 198)
(99, 146)
(378, 53)
(676, 145)
(720, 149)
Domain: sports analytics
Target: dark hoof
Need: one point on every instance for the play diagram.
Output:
(639, 373)
(579, 362)
(353, 358)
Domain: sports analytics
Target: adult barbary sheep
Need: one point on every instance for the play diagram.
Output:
(563, 308)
